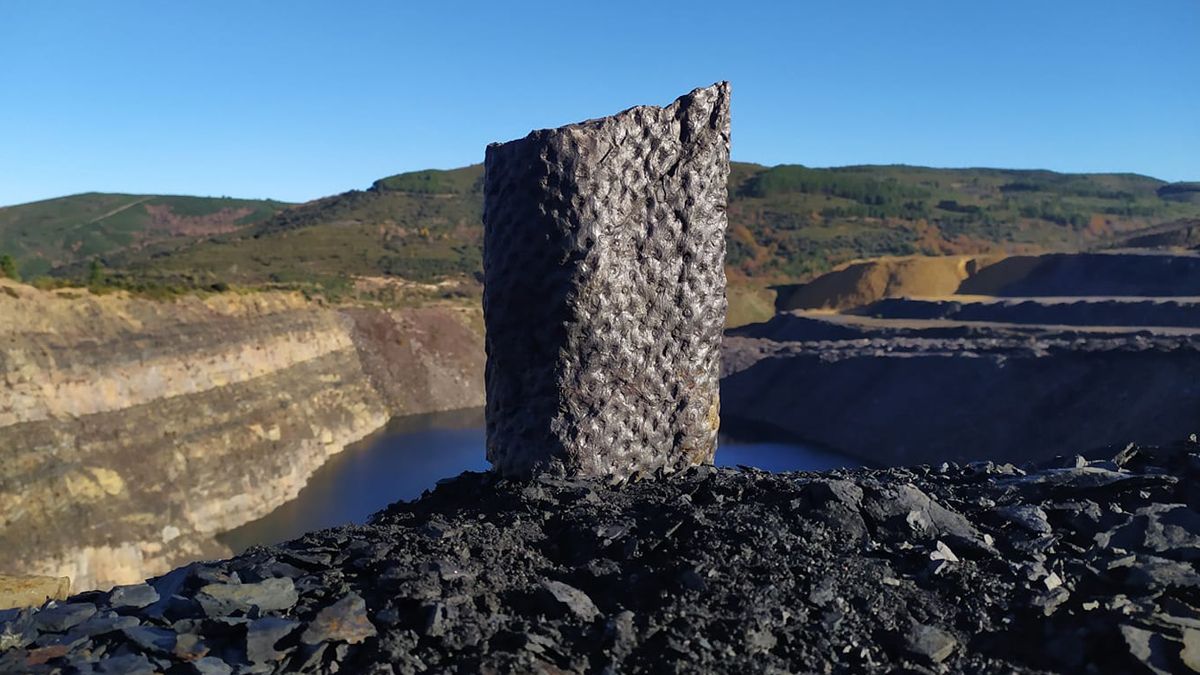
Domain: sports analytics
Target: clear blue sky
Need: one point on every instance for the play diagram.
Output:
(296, 100)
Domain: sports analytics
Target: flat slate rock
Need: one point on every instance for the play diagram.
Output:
(913, 569)
(58, 618)
(223, 599)
(132, 597)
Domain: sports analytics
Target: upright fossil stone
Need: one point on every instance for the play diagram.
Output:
(604, 290)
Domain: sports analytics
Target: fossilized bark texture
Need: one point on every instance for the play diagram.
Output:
(604, 290)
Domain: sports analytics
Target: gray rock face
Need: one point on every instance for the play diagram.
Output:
(604, 291)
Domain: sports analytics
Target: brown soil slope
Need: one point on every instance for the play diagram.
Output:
(1056, 274)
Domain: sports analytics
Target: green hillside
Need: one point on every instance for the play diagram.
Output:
(793, 221)
(44, 235)
(421, 227)
(787, 223)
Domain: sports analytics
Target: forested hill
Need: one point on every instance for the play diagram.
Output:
(786, 223)
(43, 235)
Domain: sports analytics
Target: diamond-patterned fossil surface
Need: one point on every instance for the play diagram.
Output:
(604, 290)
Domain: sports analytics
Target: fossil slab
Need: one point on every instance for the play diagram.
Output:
(604, 291)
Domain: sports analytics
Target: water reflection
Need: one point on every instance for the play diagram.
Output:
(412, 453)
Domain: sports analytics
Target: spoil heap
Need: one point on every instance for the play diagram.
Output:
(981, 568)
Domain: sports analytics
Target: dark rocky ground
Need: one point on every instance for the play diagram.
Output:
(1074, 566)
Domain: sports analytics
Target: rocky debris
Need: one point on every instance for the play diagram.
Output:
(604, 290)
(983, 568)
(31, 591)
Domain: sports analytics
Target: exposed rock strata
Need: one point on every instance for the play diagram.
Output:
(31, 591)
(983, 568)
(1142, 273)
(133, 431)
(604, 291)
(1135, 312)
(894, 394)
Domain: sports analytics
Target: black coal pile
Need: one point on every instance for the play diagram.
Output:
(1077, 566)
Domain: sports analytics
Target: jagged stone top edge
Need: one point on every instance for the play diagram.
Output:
(717, 88)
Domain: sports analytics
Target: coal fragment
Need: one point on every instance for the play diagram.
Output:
(1172, 530)
(345, 620)
(210, 665)
(1029, 516)
(691, 579)
(1151, 572)
(822, 593)
(891, 509)
(104, 624)
(570, 599)
(263, 634)
(437, 618)
(189, 647)
(930, 643)
(759, 640)
(1148, 648)
(151, 639)
(128, 664)
(1081, 479)
(1049, 601)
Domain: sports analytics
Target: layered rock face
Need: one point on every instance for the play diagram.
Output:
(604, 290)
(890, 393)
(1128, 274)
(972, 357)
(133, 431)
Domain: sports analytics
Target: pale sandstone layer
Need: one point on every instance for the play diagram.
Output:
(133, 431)
(1126, 273)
